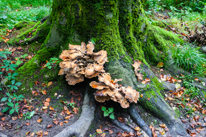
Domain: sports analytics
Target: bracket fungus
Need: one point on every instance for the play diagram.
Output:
(80, 61)
(137, 69)
(110, 89)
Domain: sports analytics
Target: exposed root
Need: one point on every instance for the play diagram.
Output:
(80, 127)
(122, 126)
(139, 121)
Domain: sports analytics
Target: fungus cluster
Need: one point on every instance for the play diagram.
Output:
(80, 61)
(110, 89)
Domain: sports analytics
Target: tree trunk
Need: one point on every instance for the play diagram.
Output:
(121, 28)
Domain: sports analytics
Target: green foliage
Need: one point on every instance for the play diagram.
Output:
(52, 63)
(29, 115)
(108, 112)
(190, 88)
(71, 105)
(189, 58)
(12, 103)
(9, 66)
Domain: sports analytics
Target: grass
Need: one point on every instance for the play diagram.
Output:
(189, 58)
(13, 11)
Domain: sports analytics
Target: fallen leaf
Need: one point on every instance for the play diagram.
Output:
(14, 118)
(139, 133)
(162, 125)
(193, 134)
(27, 123)
(46, 104)
(66, 121)
(3, 118)
(39, 120)
(121, 119)
(75, 110)
(44, 92)
(32, 134)
(40, 133)
(99, 131)
(49, 126)
(67, 117)
(160, 65)
(51, 108)
(33, 92)
(110, 131)
(49, 84)
(61, 123)
(27, 133)
(46, 133)
(48, 99)
(55, 121)
(45, 107)
(103, 135)
(137, 128)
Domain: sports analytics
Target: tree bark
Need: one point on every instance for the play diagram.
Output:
(121, 28)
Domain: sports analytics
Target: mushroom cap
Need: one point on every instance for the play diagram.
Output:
(98, 85)
(72, 80)
(64, 55)
(131, 94)
(89, 70)
(61, 71)
(98, 68)
(100, 57)
(102, 99)
(90, 48)
(75, 55)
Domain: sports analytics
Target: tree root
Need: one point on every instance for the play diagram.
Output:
(139, 121)
(80, 127)
(122, 126)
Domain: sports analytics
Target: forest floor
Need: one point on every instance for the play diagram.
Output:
(45, 113)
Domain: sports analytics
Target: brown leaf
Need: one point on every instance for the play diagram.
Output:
(67, 117)
(55, 121)
(99, 131)
(193, 134)
(66, 121)
(48, 99)
(103, 134)
(14, 118)
(33, 92)
(162, 125)
(75, 110)
(184, 120)
(61, 123)
(51, 108)
(137, 128)
(46, 133)
(46, 104)
(160, 65)
(139, 133)
(3, 118)
(49, 84)
(110, 131)
(44, 92)
(40, 133)
(121, 119)
(27, 123)
(27, 133)
(49, 126)
(39, 120)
